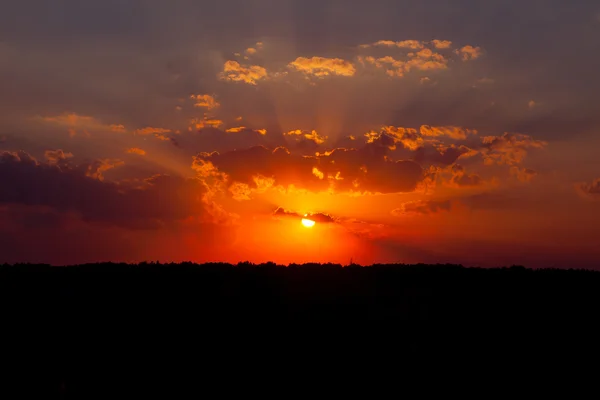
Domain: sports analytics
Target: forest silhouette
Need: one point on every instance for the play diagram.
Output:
(248, 321)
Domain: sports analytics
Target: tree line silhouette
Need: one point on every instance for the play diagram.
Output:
(237, 317)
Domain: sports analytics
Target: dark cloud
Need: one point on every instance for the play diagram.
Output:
(590, 190)
(441, 155)
(461, 178)
(78, 188)
(423, 207)
(282, 212)
(57, 157)
(213, 139)
(317, 217)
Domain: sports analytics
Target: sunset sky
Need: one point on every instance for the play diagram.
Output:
(427, 131)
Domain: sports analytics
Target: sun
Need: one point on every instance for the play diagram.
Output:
(308, 223)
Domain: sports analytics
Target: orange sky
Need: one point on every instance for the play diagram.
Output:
(404, 141)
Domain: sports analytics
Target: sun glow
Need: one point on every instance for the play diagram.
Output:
(308, 223)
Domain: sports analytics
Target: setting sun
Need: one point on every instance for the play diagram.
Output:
(308, 223)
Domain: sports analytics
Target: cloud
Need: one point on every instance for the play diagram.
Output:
(440, 154)
(57, 157)
(389, 136)
(460, 178)
(452, 132)
(406, 44)
(508, 149)
(282, 212)
(312, 136)
(469, 53)
(79, 188)
(236, 129)
(151, 131)
(81, 124)
(239, 129)
(96, 168)
(208, 139)
(136, 150)
(589, 190)
(59, 160)
(317, 217)
(421, 56)
(318, 173)
(523, 174)
(365, 170)
(117, 128)
(205, 123)
(423, 60)
(422, 207)
(250, 51)
(159, 133)
(233, 71)
(322, 67)
(441, 44)
(205, 101)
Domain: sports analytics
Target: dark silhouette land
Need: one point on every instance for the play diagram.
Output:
(91, 331)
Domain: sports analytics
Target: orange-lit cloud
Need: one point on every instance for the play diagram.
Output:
(452, 132)
(236, 129)
(469, 53)
(316, 172)
(96, 168)
(159, 133)
(117, 128)
(313, 136)
(135, 150)
(423, 60)
(407, 44)
(389, 136)
(82, 124)
(342, 171)
(205, 123)
(321, 66)
(235, 72)
(239, 129)
(151, 131)
(250, 51)
(509, 149)
(56, 157)
(441, 44)
(205, 101)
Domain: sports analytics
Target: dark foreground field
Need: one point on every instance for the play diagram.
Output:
(86, 331)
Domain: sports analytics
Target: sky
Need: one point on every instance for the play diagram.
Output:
(408, 131)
